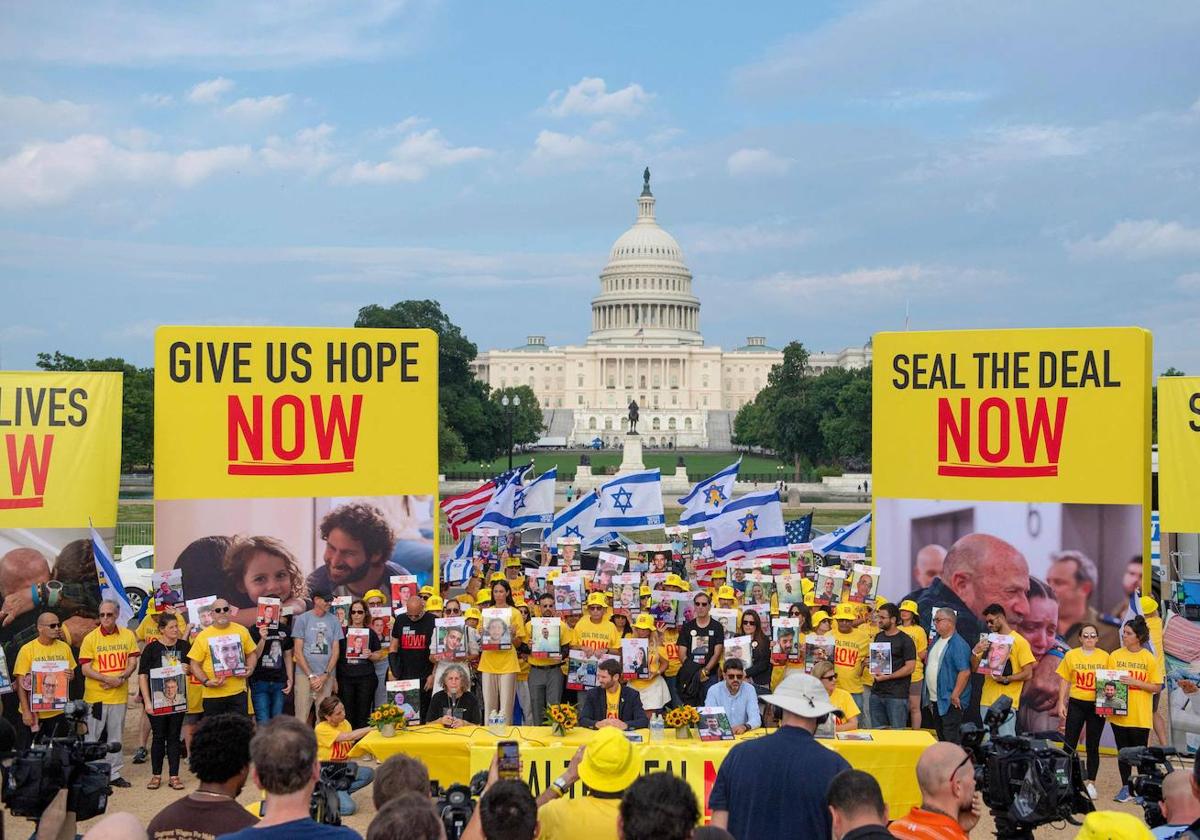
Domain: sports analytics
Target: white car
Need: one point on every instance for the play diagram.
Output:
(136, 567)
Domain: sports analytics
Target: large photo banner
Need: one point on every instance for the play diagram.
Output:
(292, 460)
(1013, 467)
(60, 447)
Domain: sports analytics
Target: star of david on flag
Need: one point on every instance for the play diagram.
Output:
(631, 502)
(749, 527)
(622, 500)
(749, 524)
(708, 496)
(577, 519)
(534, 502)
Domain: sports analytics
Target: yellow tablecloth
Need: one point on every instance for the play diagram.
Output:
(454, 755)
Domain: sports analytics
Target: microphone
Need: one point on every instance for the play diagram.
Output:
(113, 747)
(1131, 755)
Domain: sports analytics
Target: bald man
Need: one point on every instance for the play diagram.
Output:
(20, 569)
(1179, 805)
(929, 564)
(950, 806)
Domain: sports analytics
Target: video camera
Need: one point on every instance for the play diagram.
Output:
(1152, 765)
(1025, 782)
(335, 776)
(35, 776)
(456, 803)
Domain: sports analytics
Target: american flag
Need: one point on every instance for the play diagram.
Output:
(798, 530)
(462, 512)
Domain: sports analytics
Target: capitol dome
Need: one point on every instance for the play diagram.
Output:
(646, 288)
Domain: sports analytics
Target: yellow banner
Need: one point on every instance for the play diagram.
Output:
(1179, 453)
(60, 447)
(249, 412)
(1045, 415)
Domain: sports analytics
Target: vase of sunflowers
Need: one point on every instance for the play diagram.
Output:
(563, 718)
(387, 718)
(683, 718)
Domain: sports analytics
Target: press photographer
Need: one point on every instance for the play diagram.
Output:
(1180, 805)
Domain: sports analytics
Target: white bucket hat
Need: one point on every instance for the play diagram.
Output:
(802, 694)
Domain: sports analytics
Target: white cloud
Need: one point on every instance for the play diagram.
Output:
(309, 150)
(913, 278)
(262, 107)
(51, 173)
(403, 127)
(905, 99)
(589, 97)
(28, 115)
(758, 162)
(156, 100)
(1141, 239)
(413, 159)
(211, 91)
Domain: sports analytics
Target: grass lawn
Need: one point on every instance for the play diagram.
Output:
(699, 464)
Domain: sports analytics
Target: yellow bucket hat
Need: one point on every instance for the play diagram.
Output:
(845, 612)
(609, 763)
(645, 621)
(426, 591)
(645, 591)
(1113, 825)
(472, 613)
(597, 599)
(375, 593)
(819, 616)
(910, 605)
(1149, 605)
(727, 593)
(676, 581)
(434, 603)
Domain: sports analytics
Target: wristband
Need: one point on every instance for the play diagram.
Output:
(54, 590)
(33, 590)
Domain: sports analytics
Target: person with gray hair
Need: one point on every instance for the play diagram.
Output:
(455, 705)
(948, 677)
(108, 657)
(1073, 577)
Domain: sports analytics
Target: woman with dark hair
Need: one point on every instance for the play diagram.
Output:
(802, 612)
(165, 650)
(499, 668)
(621, 622)
(1144, 676)
(1077, 699)
(356, 677)
(335, 739)
(758, 669)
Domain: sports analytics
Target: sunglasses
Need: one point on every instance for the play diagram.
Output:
(452, 611)
(221, 609)
(358, 612)
(959, 766)
(735, 676)
(1088, 636)
(53, 626)
(702, 603)
(829, 678)
(108, 615)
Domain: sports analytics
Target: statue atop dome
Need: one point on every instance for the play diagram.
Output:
(646, 181)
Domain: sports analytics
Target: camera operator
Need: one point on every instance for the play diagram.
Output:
(950, 806)
(1180, 805)
(47, 647)
(506, 811)
(284, 753)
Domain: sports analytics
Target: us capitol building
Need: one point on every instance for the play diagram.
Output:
(645, 345)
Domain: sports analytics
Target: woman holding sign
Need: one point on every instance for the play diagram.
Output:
(500, 667)
(357, 680)
(1077, 699)
(1144, 676)
(167, 650)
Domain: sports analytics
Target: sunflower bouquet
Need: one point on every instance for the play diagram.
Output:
(387, 718)
(682, 718)
(563, 718)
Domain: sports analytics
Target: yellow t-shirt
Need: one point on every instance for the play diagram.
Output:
(35, 651)
(583, 816)
(841, 699)
(328, 748)
(1144, 666)
(564, 638)
(107, 655)
(671, 645)
(596, 637)
(867, 631)
(657, 657)
(147, 631)
(505, 661)
(1079, 668)
(1020, 655)
(612, 702)
(202, 653)
(849, 654)
(921, 643)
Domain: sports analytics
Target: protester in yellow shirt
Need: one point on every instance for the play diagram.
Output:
(108, 657)
(46, 689)
(499, 668)
(222, 656)
(910, 624)
(849, 652)
(653, 689)
(1144, 676)
(608, 765)
(595, 633)
(335, 739)
(839, 697)
(1077, 698)
(1019, 667)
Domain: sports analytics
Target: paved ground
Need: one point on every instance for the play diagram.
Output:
(145, 804)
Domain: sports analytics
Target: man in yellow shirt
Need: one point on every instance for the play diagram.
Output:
(1017, 669)
(48, 647)
(108, 656)
(595, 633)
(222, 656)
(849, 651)
(607, 765)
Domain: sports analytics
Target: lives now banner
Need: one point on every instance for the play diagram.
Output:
(1179, 454)
(60, 449)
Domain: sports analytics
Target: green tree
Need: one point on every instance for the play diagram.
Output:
(1170, 371)
(526, 418)
(137, 410)
(466, 416)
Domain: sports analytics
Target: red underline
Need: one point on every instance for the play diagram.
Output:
(997, 471)
(31, 502)
(317, 468)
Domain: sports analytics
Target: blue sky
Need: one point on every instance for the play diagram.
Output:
(824, 166)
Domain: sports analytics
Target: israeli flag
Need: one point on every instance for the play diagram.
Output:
(533, 503)
(750, 526)
(499, 510)
(577, 520)
(706, 498)
(851, 539)
(631, 502)
(111, 588)
(456, 571)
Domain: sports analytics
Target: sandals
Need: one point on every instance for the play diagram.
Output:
(155, 783)
(174, 783)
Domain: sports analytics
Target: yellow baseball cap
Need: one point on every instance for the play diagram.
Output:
(819, 616)
(645, 621)
(433, 603)
(375, 593)
(676, 581)
(596, 599)
(845, 612)
(472, 613)
(645, 591)
(727, 592)
(910, 605)
(1149, 605)
(1113, 825)
(609, 763)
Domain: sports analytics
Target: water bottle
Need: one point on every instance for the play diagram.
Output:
(496, 725)
(657, 726)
